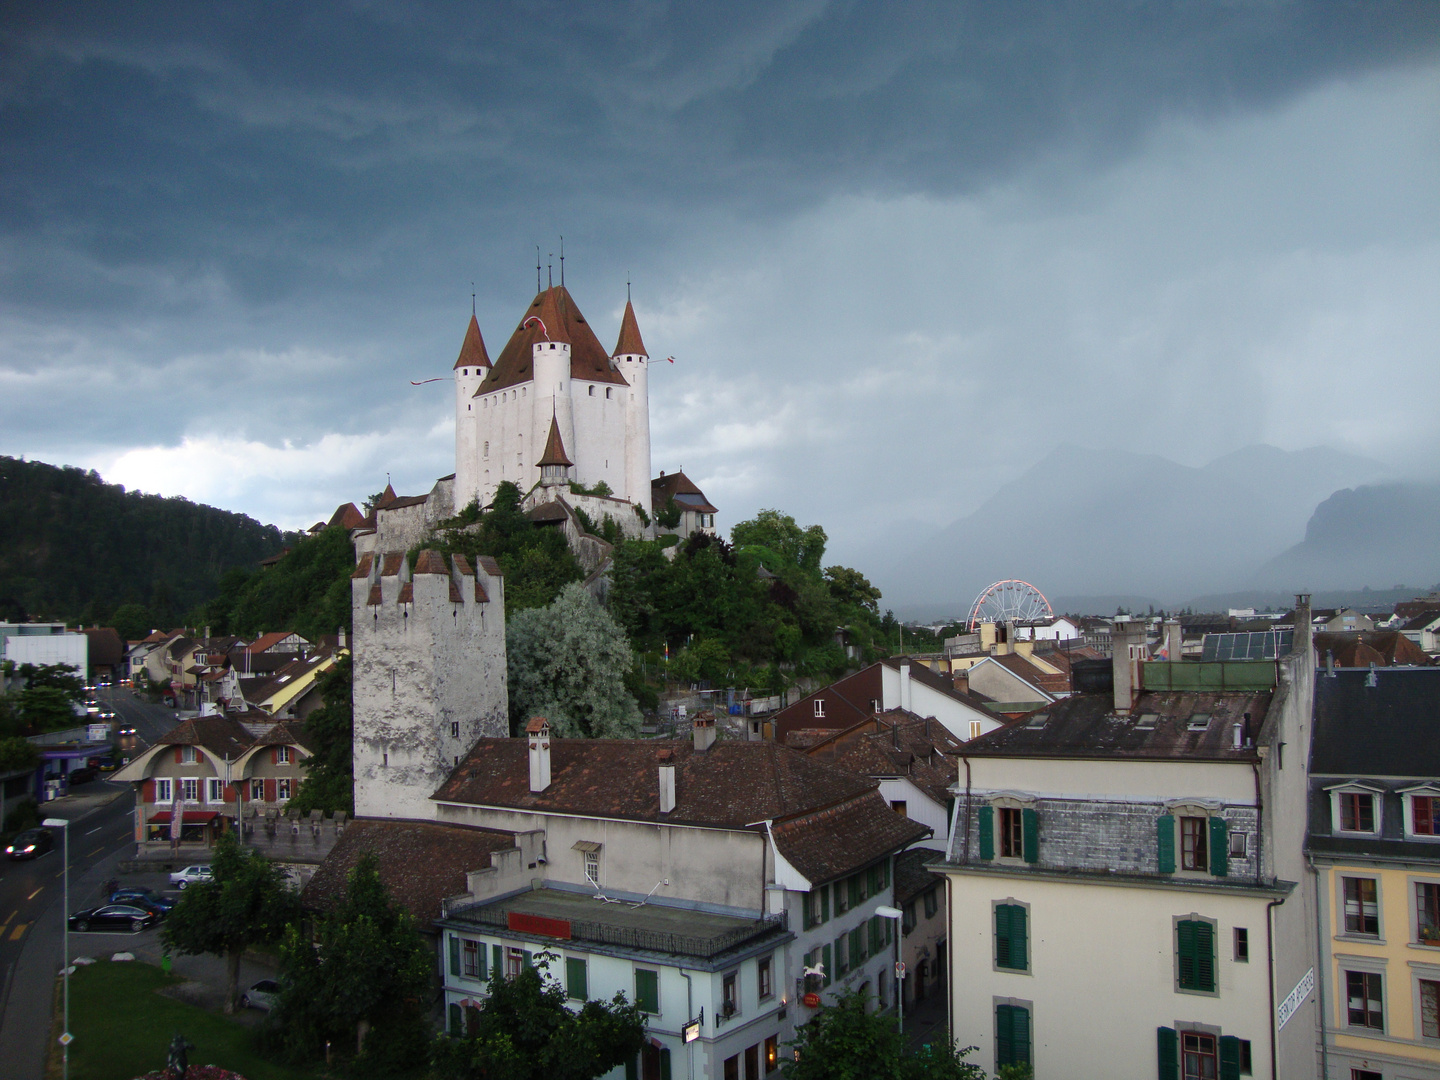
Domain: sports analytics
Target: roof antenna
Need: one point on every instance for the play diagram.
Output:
(562, 262)
(627, 288)
(537, 268)
(472, 299)
(550, 271)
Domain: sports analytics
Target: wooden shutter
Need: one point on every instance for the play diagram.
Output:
(987, 833)
(454, 955)
(1010, 936)
(577, 983)
(1165, 838)
(178, 755)
(1004, 1043)
(1019, 951)
(1167, 1048)
(857, 947)
(857, 896)
(1204, 956)
(1185, 954)
(664, 1063)
(1219, 847)
(1030, 828)
(825, 960)
(824, 903)
(457, 1021)
(1020, 1033)
(1229, 1057)
(497, 958)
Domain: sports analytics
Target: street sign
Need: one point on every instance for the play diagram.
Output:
(1291, 1005)
(691, 1031)
(66, 1039)
(899, 969)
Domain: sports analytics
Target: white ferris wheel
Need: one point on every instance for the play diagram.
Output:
(1009, 601)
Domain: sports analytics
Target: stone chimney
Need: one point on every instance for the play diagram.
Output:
(341, 639)
(667, 780)
(704, 733)
(905, 684)
(538, 732)
(1127, 643)
(961, 680)
(1174, 640)
(1304, 628)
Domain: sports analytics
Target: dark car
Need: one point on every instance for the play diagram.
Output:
(127, 729)
(30, 844)
(145, 898)
(113, 917)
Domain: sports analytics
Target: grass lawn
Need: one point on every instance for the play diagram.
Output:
(123, 1028)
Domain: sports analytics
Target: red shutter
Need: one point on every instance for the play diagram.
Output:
(178, 752)
(275, 755)
(149, 795)
(227, 792)
(269, 790)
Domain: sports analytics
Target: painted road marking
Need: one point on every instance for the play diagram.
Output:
(8, 918)
(95, 830)
(19, 930)
(97, 851)
(36, 893)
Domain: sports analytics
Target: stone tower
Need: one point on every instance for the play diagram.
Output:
(429, 675)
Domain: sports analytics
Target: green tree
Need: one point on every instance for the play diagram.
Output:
(329, 782)
(845, 1042)
(63, 677)
(851, 587)
(567, 663)
(308, 591)
(366, 967)
(525, 1031)
(132, 621)
(247, 903)
(779, 532)
(17, 753)
(46, 708)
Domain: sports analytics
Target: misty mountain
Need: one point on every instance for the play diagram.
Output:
(1093, 522)
(1376, 536)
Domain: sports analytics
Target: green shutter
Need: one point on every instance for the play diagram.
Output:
(856, 886)
(457, 1021)
(1020, 1034)
(577, 985)
(1002, 935)
(1165, 835)
(1204, 956)
(1010, 950)
(1185, 954)
(454, 955)
(884, 874)
(842, 956)
(1030, 826)
(1004, 1045)
(1019, 957)
(1219, 847)
(497, 958)
(1229, 1057)
(647, 991)
(664, 1063)
(529, 961)
(824, 903)
(857, 947)
(480, 972)
(1168, 1053)
(805, 921)
(987, 833)
(825, 960)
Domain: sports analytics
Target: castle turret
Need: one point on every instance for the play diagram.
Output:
(429, 674)
(632, 361)
(554, 464)
(471, 367)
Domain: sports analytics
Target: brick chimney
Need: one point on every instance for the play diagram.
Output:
(1127, 643)
(667, 780)
(538, 732)
(704, 733)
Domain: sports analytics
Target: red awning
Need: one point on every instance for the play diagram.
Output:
(191, 817)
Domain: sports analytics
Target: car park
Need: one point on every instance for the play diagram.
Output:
(191, 874)
(262, 995)
(30, 844)
(113, 917)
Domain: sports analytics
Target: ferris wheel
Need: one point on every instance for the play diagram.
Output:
(1009, 601)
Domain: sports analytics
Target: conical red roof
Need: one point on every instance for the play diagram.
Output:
(589, 361)
(472, 351)
(554, 448)
(386, 498)
(630, 343)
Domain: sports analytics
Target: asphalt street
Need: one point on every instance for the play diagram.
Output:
(32, 906)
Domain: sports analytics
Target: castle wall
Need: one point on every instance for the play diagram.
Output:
(598, 449)
(429, 676)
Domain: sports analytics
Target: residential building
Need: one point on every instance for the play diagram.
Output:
(42, 644)
(105, 654)
(696, 512)
(1424, 631)
(1147, 841)
(1375, 843)
(1375, 648)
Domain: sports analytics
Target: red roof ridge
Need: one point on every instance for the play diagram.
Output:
(630, 342)
(472, 349)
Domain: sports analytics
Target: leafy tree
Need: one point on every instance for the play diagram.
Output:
(366, 967)
(247, 903)
(46, 708)
(851, 587)
(779, 532)
(844, 1042)
(132, 621)
(329, 782)
(669, 515)
(17, 753)
(63, 677)
(525, 1031)
(308, 591)
(567, 662)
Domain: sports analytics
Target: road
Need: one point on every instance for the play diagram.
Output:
(31, 902)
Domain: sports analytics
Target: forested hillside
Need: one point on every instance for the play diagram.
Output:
(76, 548)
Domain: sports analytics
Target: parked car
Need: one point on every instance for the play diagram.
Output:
(262, 995)
(191, 874)
(113, 917)
(145, 898)
(30, 844)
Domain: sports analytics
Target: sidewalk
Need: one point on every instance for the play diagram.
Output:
(86, 801)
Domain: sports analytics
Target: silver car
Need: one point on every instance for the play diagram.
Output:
(191, 874)
(262, 995)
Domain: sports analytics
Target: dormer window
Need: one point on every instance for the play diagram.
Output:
(1355, 808)
(1422, 811)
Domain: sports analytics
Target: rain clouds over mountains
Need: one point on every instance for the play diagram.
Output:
(1116, 523)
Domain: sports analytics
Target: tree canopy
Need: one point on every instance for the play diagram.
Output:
(844, 1041)
(329, 782)
(308, 591)
(567, 662)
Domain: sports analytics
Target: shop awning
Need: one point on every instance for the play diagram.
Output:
(191, 817)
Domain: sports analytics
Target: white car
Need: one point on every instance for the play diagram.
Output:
(262, 995)
(191, 874)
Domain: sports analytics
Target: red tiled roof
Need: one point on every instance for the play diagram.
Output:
(266, 642)
(386, 498)
(489, 565)
(682, 489)
(629, 343)
(554, 447)
(896, 743)
(106, 648)
(222, 735)
(841, 839)
(393, 561)
(362, 568)
(420, 862)
(347, 515)
(472, 349)
(430, 561)
(563, 323)
(407, 593)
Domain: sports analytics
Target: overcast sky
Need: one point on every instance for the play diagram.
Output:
(899, 251)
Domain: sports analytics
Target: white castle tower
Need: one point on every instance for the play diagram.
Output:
(553, 369)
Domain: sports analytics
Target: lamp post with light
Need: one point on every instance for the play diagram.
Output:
(886, 912)
(65, 1036)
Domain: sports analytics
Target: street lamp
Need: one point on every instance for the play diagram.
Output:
(65, 1036)
(886, 912)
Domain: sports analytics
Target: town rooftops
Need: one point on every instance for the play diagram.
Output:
(1384, 722)
(420, 862)
(911, 877)
(1383, 648)
(895, 744)
(1162, 725)
(551, 317)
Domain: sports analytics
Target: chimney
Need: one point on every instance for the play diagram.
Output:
(905, 684)
(1304, 630)
(667, 780)
(1237, 735)
(340, 638)
(1330, 663)
(538, 732)
(704, 733)
(1174, 640)
(1128, 641)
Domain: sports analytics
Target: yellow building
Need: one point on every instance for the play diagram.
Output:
(1375, 845)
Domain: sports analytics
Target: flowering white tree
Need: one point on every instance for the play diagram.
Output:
(567, 663)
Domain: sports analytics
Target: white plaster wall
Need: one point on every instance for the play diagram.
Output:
(1102, 973)
(38, 649)
(920, 807)
(467, 432)
(926, 701)
(636, 370)
(621, 511)
(418, 668)
(598, 448)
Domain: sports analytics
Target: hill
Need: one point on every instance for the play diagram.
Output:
(73, 547)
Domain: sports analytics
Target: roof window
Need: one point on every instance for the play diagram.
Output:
(1147, 721)
(1199, 722)
(1037, 722)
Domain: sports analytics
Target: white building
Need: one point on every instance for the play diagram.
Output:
(44, 643)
